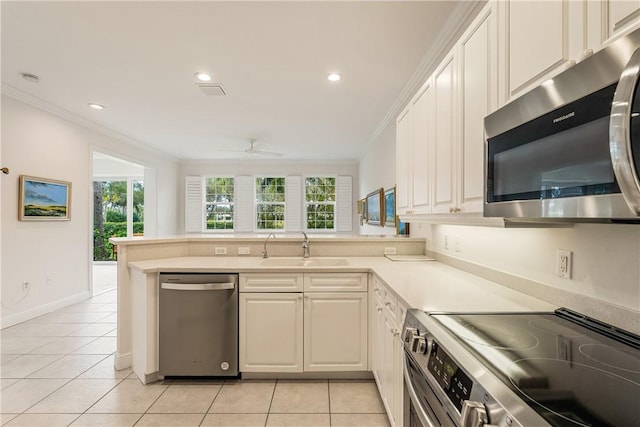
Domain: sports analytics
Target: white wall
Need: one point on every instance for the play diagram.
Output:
(606, 257)
(41, 144)
(378, 170)
(267, 167)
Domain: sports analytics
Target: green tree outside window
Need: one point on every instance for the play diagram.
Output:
(270, 203)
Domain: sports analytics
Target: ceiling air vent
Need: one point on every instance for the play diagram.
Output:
(212, 89)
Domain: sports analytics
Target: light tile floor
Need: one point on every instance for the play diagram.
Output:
(57, 370)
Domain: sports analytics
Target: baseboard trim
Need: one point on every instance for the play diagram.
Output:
(32, 313)
(122, 361)
(355, 375)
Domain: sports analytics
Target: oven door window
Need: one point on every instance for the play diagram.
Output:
(562, 154)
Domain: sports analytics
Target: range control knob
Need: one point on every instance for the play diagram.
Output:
(473, 414)
(409, 333)
(419, 343)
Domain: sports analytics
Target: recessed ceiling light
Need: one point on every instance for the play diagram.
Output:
(96, 106)
(203, 77)
(334, 77)
(32, 78)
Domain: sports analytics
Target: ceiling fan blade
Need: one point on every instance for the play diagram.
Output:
(264, 153)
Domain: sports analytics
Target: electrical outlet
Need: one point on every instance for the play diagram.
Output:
(220, 250)
(389, 250)
(49, 280)
(25, 286)
(244, 250)
(446, 242)
(457, 245)
(563, 265)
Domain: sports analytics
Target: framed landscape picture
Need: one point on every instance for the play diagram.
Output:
(390, 207)
(402, 229)
(44, 199)
(375, 207)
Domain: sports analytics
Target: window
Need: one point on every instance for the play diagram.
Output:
(320, 203)
(270, 203)
(219, 203)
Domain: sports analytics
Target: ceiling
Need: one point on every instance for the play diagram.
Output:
(138, 59)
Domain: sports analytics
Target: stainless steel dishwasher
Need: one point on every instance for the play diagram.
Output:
(198, 318)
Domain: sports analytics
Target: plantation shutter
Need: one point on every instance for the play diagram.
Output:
(293, 203)
(194, 205)
(344, 203)
(243, 204)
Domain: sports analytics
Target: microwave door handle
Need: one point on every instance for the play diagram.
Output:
(620, 134)
(422, 415)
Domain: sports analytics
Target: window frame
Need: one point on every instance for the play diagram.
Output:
(205, 204)
(256, 203)
(306, 204)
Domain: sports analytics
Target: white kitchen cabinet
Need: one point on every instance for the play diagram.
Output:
(440, 135)
(621, 15)
(404, 179)
(478, 96)
(414, 141)
(335, 331)
(539, 39)
(323, 328)
(332, 282)
(388, 350)
(271, 282)
(271, 332)
(445, 142)
(538, 44)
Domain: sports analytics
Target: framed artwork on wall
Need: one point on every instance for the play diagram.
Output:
(402, 229)
(390, 207)
(375, 207)
(44, 199)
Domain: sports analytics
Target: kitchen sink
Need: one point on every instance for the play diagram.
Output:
(304, 262)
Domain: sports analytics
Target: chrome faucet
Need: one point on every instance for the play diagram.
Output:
(305, 245)
(264, 251)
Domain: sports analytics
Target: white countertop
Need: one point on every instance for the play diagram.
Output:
(426, 285)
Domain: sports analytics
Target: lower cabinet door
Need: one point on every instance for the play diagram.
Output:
(271, 331)
(335, 331)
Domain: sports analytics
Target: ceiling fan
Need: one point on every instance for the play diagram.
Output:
(253, 150)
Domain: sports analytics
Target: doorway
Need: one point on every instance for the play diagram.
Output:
(118, 211)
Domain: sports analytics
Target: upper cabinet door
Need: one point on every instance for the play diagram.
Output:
(478, 97)
(445, 136)
(422, 141)
(538, 44)
(403, 157)
(622, 14)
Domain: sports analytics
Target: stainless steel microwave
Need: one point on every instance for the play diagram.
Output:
(570, 148)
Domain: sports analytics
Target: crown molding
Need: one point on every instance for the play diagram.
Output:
(40, 104)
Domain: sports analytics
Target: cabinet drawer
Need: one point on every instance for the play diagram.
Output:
(263, 282)
(335, 282)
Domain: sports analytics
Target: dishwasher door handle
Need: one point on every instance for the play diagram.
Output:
(198, 286)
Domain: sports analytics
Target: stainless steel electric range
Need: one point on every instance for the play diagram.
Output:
(520, 369)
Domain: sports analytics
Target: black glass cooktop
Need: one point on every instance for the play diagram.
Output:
(572, 370)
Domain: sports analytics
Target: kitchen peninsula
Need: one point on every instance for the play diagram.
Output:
(426, 285)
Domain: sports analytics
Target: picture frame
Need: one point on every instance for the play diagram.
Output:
(390, 207)
(375, 207)
(43, 199)
(402, 228)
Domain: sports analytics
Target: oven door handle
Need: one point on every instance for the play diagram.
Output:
(422, 415)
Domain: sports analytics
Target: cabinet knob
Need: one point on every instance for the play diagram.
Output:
(587, 53)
